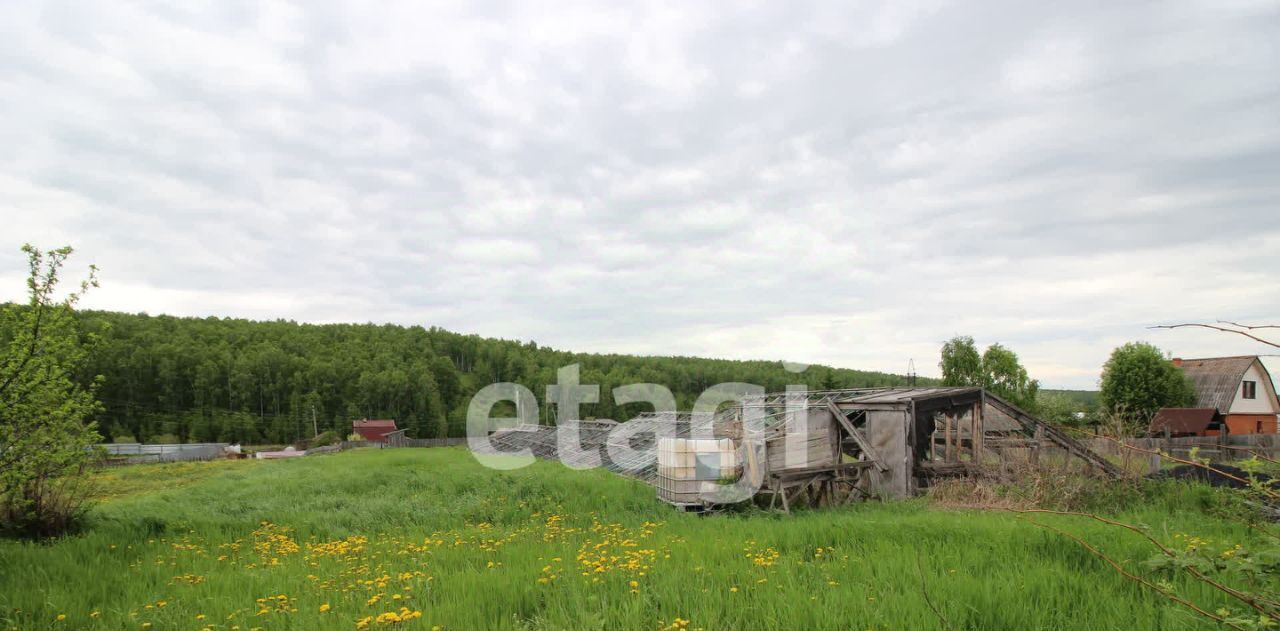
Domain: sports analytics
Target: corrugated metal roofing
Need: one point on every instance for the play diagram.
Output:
(1217, 379)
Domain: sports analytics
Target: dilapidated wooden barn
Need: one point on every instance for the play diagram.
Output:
(824, 448)
(889, 442)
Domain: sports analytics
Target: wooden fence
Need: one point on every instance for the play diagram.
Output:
(396, 440)
(1215, 448)
(399, 440)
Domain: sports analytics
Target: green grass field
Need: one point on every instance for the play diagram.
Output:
(427, 538)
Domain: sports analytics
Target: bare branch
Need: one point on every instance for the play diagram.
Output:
(1246, 326)
(1249, 599)
(1254, 452)
(924, 591)
(1217, 328)
(1133, 577)
(1268, 492)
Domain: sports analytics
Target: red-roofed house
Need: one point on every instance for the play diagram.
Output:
(1237, 389)
(373, 430)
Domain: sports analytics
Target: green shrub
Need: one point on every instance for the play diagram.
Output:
(323, 439)
(45, 431)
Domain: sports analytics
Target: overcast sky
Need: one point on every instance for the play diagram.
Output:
(843, 183)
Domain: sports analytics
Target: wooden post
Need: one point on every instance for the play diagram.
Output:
(973, 435)
(950, 452)
(1034, 457)
(979, 433)
(933, 441)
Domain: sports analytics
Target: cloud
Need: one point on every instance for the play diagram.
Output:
(817, 181)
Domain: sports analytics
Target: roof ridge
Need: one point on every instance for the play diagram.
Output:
(1217, 379)
(1201, 359)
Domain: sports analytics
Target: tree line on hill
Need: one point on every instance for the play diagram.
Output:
(224, 379)
(165, 378)
(70, 378)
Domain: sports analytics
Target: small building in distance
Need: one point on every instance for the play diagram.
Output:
(1179, 422)
(1239, 389)
(373, 430)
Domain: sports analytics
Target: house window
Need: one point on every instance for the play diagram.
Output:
(1250, 389)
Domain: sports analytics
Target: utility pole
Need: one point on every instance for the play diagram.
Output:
(314, 430)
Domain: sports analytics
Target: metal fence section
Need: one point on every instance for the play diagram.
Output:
(136, 453)
(119, 454)
(138, 449)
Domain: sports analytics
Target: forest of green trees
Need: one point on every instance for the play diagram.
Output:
(221, 379)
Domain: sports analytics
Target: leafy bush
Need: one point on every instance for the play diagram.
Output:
(323, 439)
(47, 506)
(45, 441)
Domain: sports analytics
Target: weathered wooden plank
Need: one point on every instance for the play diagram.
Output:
(857, 436)
(1059, 437)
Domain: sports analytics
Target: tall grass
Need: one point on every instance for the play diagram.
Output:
(174, 546)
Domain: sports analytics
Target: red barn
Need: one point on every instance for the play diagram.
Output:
(372, 429)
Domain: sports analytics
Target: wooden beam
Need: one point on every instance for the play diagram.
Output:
(855, 406)
(792, 474)
(979, 434)
(950, 453)
(857, 437)
(1030, 424)
(933, 441)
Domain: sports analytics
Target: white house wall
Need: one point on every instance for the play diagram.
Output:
(1265, 403)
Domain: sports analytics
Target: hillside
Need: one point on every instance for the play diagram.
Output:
(207, 379)
(1085, 399)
